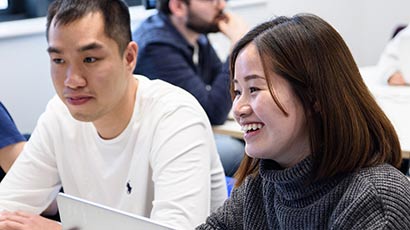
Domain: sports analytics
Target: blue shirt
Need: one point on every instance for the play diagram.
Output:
(8, 131)
(163, 53)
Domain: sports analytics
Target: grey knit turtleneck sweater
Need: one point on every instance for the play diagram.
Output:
(373, 198)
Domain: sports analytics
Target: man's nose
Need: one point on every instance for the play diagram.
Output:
(74, 78)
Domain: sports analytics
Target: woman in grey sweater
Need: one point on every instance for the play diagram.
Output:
(321, 154)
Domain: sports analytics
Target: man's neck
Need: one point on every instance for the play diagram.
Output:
(190, 35)
(115, 123)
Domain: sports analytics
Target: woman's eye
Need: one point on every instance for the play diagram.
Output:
(253, 89)
(89, 60)
(236, 92)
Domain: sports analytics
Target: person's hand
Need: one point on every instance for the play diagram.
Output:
(233, 27)
(26, 221)
(396, 79)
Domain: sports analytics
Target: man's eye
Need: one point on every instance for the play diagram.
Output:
(58, 60)
(89, 60)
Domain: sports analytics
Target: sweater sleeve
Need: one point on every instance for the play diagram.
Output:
(166, 62)
(33, 181)
(181, 164)
(389, 60)
(230, 215)
(381, 204)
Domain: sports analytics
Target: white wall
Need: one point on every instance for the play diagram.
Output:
(366, 25)
(25, 86)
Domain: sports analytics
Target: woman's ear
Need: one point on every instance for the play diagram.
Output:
(178, 8)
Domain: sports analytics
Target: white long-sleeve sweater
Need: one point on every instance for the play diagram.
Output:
(389, 61)
(164, 165)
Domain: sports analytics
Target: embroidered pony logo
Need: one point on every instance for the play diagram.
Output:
(129, 188)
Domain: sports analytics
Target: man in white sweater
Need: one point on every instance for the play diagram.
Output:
(111, 137)
(389, 63)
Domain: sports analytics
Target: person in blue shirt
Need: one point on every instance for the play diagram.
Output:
(173, 46)
(11, 144)
(11, 141)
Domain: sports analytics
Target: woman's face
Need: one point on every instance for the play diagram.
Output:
(268, 132)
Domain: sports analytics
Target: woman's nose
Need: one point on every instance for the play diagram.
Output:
(241, 108)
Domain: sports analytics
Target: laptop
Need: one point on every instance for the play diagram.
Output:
(404, 58)
(80, 214)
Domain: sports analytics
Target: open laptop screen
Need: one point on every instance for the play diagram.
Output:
(76, 214)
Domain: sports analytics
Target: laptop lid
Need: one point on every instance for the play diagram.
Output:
(80, 214)
(404, 57)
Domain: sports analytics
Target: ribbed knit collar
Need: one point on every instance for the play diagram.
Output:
(291, 185)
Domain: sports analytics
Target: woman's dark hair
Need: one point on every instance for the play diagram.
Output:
(347, 129)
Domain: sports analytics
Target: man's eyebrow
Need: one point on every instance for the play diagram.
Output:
(90, 46)
(53, 50)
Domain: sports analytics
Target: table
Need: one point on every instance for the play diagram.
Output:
(230, 127)
(405, 155)
(394, 101)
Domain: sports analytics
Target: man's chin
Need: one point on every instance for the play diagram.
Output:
(82, 117)
(204, 29)
(214, 30)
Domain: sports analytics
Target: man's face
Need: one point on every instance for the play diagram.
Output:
(88, 71)
(203, 15)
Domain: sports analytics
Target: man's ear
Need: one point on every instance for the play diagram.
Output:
(130, 55)
(178, 8)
